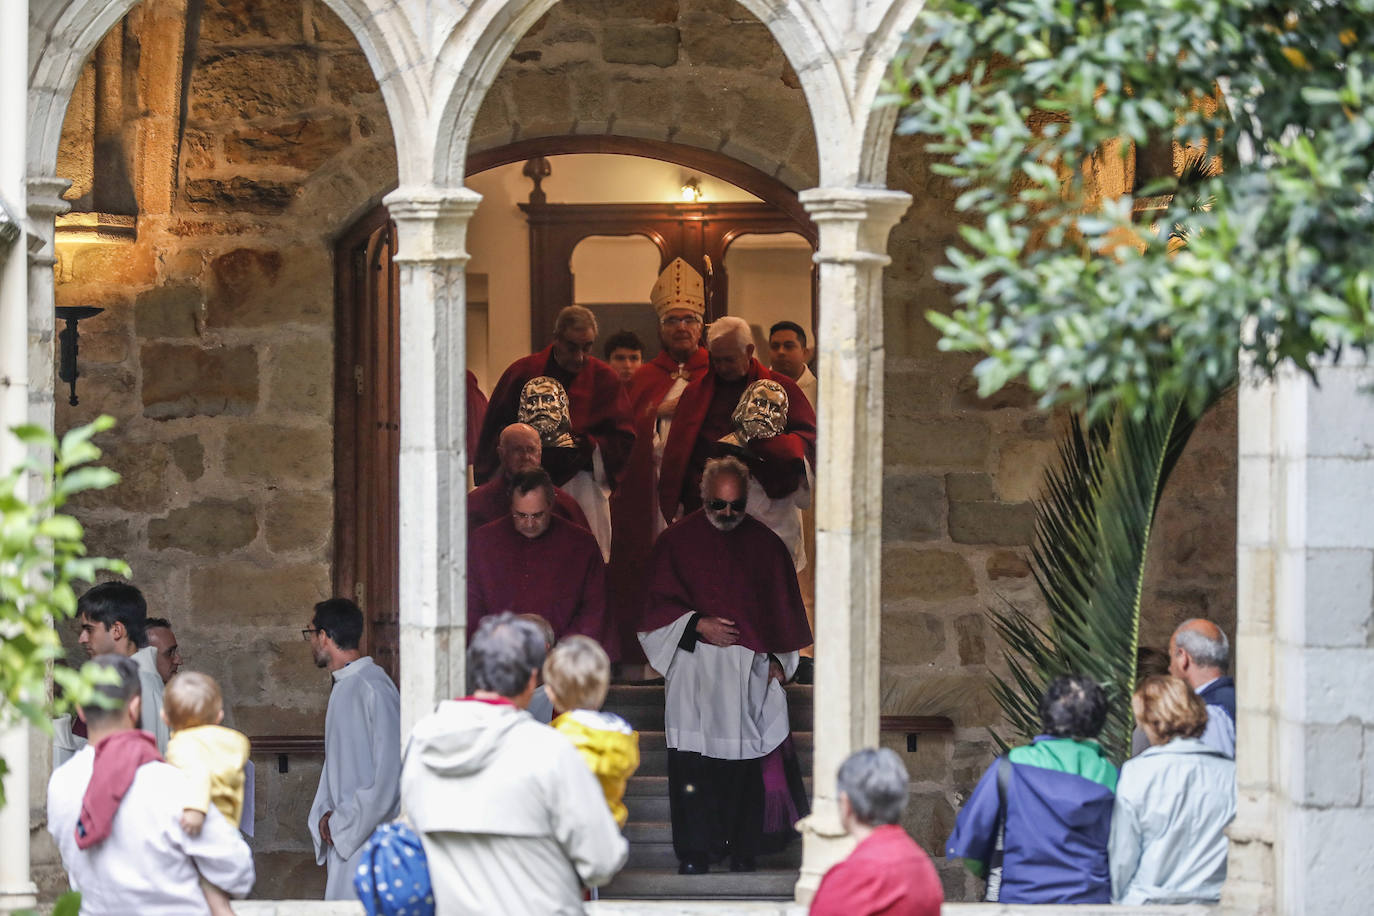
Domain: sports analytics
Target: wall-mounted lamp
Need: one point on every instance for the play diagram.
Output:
(71, 314)
(691, 190)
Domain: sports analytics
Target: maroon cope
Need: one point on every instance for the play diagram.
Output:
(598, 411)
(558, 575)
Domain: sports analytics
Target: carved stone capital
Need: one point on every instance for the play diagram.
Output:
(432, 223)
(854, 222)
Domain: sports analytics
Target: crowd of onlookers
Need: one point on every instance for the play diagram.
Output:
(512, 797)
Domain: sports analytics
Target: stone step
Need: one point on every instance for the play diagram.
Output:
(719, 884)
(661, 856)
(653, 752)
(654, 786)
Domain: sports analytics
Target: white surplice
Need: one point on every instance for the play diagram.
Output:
(150, 688)
(720, 701)
(361, 779)
(147, 865)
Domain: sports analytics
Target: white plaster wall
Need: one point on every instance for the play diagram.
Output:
(770, 281)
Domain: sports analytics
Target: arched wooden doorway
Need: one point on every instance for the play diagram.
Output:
(367, 334)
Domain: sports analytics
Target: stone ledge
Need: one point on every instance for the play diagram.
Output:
(732, 907)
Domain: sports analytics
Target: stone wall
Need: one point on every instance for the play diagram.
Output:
(703, 73)
(215, 353)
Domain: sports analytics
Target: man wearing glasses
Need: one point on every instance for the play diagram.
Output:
(679, 299)
(360, 785)
(724, 623)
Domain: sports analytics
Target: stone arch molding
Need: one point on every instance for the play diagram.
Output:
(840, 55)
(64, 33)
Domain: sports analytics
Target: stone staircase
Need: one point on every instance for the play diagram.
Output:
(651, 872)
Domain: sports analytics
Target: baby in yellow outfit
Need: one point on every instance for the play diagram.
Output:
(210, 756)
(577, 674)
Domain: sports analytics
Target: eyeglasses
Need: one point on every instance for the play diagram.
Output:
(675, 320)
(308, 632)
(718, 505)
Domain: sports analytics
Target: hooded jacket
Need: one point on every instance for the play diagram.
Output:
(511, 818)
(611, 749)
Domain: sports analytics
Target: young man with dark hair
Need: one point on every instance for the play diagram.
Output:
(113, 617)
(360, 783)
(1052, 801)
(790, 354)
(625, 353)
(114, 809)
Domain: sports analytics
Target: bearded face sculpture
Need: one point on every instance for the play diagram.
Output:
(544, 405)
(761, 412)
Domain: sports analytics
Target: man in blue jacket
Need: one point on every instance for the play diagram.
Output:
(1199, 654)
(1050, 804)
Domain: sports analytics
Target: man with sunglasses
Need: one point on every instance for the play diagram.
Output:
(724, 623)
(360, 784)
(679, 299)
(598, 407)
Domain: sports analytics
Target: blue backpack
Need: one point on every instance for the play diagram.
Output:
(393, 875)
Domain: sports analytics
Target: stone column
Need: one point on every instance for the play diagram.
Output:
(1305, 751)
(854, 224)
(16, 888)
(431, 225)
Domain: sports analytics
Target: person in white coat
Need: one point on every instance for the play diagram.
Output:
(1173, 803)
(511, 818)
(116, 820)
(360, 783)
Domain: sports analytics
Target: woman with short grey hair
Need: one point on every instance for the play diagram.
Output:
(887, 873)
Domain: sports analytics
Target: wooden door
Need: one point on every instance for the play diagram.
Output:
(367, 442)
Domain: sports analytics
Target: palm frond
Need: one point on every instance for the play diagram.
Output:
(1093, 527)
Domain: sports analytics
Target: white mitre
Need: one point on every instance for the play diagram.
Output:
(678, 287)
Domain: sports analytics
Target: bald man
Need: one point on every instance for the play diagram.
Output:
(518, 449)
(1199, 654)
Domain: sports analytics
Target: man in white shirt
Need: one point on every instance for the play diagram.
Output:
(136, 859)
(360, 785)
(113, 617)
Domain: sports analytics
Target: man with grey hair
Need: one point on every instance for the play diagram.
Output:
(705, 427)
(114, 811)
(511, 818)
(1199, 653)
(724, 623)
(598, 408)
(887, 872)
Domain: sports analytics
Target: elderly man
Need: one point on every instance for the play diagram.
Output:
(116, 818)
(887, 873)
(1052, 800)
(678, 297)
(164, 643)
(113, 617)
(511, 818)
(520, 449)
(723, 624)
(709, 413)
(360, 783)
(533, 562)
(598, 408)
(1198, 654)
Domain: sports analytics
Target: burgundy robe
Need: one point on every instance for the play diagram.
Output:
(886, 875)
(745, 575)
(491, 501)
(704, 416)
(477, 413)
(635, 499)
(599, 412)
(558, 575)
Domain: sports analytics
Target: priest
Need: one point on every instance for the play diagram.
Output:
(598, 407)
(532, 562)
(678, 297)
(519, 449)
(724, 623)
(705, 426)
